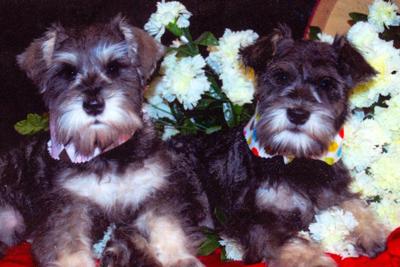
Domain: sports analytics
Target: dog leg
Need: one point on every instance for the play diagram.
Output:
(63, 241)
(127, 247)
(11, 228)
(370, 233)
(167, 240)
(298, 252)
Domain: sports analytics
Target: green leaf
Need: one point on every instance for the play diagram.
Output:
(314, 30)
(205, 103)
(228, 114)
(213, 129)
(206, 39)
(187, 50)
(223, 256)
(174, 29)
(356, 17)
(188, 127)
(208, 246)
(177, 110)
(33, 123)
(215, 91)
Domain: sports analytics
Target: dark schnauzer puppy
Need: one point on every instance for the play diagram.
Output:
(271, 179)
(110, 167)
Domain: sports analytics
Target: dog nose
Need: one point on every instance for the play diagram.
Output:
(93, 106)
(297, 116)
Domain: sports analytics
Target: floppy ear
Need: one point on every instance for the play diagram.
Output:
(352, 65)
(37, 58)
(258, 54)
(147, 49)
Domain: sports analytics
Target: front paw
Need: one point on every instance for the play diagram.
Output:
(302, 253)
(186, 262)
(372, 241)
(77, 259)
(115, 256)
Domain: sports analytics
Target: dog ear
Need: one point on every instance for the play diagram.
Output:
(352, 65)
(36, 59)
(258, 54)
(147, 49)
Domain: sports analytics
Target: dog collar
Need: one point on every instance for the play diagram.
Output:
(55, 148)
(331, 156)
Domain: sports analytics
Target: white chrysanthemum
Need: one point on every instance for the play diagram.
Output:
(324, 37)
(233, 250)
(363, 138)
(184, 79)
(167, 12)
(364, 184)
(332, 228)
(388, 210)
(224, 59)
(362, 35)
(385, 59)
(169, 131)
(385, 171)
(383, 13)
(389, 117)
(156, 107)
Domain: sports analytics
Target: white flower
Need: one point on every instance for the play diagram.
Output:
(184, 79)
(388, 210)
(383, 13)
(362, 35)
(324, 37)
(332, 228)
(167, 12)
(169, 131)
(363, 138)
(233, 250)
(224, 59)
(156, 107)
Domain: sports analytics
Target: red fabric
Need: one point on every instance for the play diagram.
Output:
(20, 256)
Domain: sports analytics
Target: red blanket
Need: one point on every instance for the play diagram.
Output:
(20, 256)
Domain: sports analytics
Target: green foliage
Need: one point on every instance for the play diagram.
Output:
(210, 244)
(356, 17)
(314, 30)
(206, 39)
(33, 123)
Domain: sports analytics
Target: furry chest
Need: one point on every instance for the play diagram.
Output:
(281, 198)
(127, 190)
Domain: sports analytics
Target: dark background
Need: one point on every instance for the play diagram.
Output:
(23, 20)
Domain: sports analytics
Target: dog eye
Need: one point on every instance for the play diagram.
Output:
(113, 68)
(326, 83)
(68, 72)
(281, 77)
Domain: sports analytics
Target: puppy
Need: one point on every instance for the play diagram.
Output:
(102, 162)
(273, 175)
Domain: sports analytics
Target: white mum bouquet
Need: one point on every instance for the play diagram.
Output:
(202, 84)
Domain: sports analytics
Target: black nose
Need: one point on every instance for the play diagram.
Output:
(297, 116)
(93, 106)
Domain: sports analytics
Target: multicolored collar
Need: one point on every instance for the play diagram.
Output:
(331, 156)
(55, 148)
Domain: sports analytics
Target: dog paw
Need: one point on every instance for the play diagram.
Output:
(78, 259)
(115, 256)
(186, 262)
(372, 241)
(302, 253)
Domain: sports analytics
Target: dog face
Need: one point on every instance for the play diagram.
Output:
(302, 90)
(92, 81)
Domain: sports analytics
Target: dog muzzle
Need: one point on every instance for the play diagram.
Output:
(332, 155)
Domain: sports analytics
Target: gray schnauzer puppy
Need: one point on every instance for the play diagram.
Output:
(273, 177)
(103, 162)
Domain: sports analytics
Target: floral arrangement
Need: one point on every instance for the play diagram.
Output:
(198, 77)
